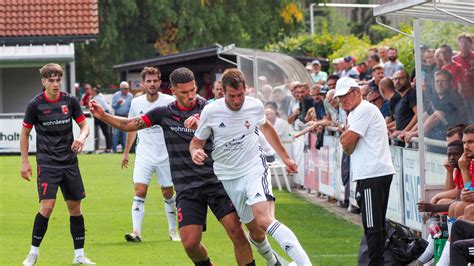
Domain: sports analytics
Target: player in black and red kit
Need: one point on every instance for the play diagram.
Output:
(52, 113)
(196, 187)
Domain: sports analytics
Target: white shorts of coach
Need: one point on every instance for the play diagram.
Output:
(142, 173)
(247, 191)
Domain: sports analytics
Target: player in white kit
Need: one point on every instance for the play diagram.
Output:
(151, 156)
(235, 123)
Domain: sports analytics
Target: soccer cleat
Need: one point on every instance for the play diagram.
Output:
(82, 260)
(280, 261)
(174, 236)
(131, 237)
(30, 260)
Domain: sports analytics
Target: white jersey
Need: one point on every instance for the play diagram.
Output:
(151, 146)
(237, 151)
(371, 156)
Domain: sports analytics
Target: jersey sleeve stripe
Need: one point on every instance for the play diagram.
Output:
(80, 119)
(27, 125)
(147, 121)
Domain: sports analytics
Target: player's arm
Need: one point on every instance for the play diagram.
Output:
(79, 142)
(464, 163)
(131, 136)
(196, 148)
(24, 145)
(349, 140)
(122, 123)
(272, 137)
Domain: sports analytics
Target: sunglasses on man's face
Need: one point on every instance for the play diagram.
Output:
(375, 100)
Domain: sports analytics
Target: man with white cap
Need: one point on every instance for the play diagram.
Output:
(365, 139)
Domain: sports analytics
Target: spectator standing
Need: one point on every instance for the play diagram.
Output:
(349, 69)
(373, 60)
(388, 92)
(383, 53)
(121, 101)
(365, 139)
(106, 130)
(454, 68)
(465, 58)
(87, 95)
(376, 99)
(405, 110)
(393, 65)
(282, 100)
(377, 76)
(217, 90)
(448, 107)
(318, 76)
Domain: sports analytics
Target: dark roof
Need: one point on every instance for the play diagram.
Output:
(169, 59)
(27, 21)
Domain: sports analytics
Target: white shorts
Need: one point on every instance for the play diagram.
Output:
(247, 191)
(143, 171)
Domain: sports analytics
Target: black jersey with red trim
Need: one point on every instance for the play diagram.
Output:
(52, 120)
(185, 174)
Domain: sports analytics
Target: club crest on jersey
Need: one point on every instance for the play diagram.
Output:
(247, 124)
(64, 109)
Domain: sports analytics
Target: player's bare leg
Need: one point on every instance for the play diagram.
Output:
(191, 236)
(233, 227)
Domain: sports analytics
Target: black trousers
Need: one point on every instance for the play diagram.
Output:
(462, 243)
(107, 131)
(372, 198)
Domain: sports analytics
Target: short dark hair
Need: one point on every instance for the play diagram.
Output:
(233, 77)
(375, 57)
(444, 72)
(333, 77)
(181, 75)
(456, 129)
(456, 143)
(392, 48)
(150, 71)
(469, 129)
(51, 70)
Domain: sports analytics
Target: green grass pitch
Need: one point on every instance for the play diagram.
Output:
(327, 239)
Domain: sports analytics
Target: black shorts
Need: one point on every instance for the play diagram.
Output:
(192, 204)
(68, 179)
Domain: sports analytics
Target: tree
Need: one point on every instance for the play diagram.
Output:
(137, 29)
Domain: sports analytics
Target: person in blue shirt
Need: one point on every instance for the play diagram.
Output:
(121, 102)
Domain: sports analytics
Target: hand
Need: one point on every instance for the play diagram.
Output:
(448, 166)
(464, 162)
(291, 166)
(96, 109)
(466, 195)
(409, 135)
(125, 158)
(425, 206)
(396, 133)
(26, 171)
(120, 101)
(77, 145)
(198, 156)
(191, 122)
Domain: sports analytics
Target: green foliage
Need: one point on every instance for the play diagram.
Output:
(107, 217)
(436, 33)
(136, 29)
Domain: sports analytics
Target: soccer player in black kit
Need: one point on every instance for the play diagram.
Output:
(52, 113)
(196, 187)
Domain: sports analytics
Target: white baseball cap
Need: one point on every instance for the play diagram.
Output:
(344, 85)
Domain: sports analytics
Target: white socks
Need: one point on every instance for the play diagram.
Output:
(171, 212)
(288, 242)
(34, 250)
(444, 259)
(79, 252)
(265, 250)
(138, 211)
(429, 251)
